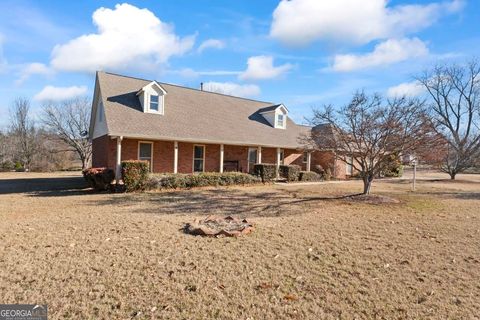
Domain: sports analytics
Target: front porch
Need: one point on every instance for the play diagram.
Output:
(190, 157)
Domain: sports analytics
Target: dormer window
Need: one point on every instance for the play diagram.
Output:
(280, 120)
(154, 103)
(152, 98)
(275, 115)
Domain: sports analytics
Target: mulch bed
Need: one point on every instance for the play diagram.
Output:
(372, 199)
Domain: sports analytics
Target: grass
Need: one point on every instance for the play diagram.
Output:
(313, 254)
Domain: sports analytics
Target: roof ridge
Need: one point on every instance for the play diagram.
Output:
(184, 87)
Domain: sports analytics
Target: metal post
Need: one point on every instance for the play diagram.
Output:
(414, 162)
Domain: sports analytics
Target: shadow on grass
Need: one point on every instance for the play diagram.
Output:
(50, 187)
(222, 201)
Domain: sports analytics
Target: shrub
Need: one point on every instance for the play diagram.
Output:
(7, 165)
(392, 167)
(185, 181)
(318, 169)
(290, 172)
(19, 167)
(135, 174)
(99, 178)
(266, 171)
(327, 174)
(309, 176)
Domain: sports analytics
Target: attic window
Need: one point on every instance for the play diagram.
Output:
(154, 103)
(280, 120)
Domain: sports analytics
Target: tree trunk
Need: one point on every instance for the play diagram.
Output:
(452, 175)
(367, 184)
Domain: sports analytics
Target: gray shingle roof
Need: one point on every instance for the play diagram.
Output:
(191, 115)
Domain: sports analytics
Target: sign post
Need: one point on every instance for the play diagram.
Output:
(414, 163)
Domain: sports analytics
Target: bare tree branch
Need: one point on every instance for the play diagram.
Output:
(366, 132)
(69, 120)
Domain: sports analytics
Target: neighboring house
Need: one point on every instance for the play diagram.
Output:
(184, 130)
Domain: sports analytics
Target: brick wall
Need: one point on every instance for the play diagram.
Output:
(100, 152)
(327, 160)
(237, 153)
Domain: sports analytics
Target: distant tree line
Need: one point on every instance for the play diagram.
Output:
(56, 140)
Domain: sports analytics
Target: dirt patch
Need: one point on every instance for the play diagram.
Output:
(215, 226)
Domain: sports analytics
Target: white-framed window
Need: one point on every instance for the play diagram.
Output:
(154, 103)
(349, 166)
(145, 152)
(198, 158)
(280, 120)
(282, 157)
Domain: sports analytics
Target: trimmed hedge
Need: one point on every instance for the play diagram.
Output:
(265, 171)
(135, 174)
(290, 172)
(206, 179)
(99, 179)
(309, 176)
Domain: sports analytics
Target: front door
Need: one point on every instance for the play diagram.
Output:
(252, 158)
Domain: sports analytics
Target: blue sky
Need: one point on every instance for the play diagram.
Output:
(303, 53)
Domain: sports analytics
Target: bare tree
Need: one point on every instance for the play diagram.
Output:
(69, 120)
(23, 132)
(455, 107)
(368, 130)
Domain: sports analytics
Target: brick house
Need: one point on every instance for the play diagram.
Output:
(184, 130)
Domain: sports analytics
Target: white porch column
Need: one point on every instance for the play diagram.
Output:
(118, 169)
(259, 154)
(278, 162)
(309, 160)
(175, 157)
(221, 158)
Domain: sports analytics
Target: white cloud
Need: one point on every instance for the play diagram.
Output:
(234, 89)
(126, 35)
(261, 67)
(407, 89)
(32, 69)
(51, 93)
(300, 22)
(211, 43)
(387, 52)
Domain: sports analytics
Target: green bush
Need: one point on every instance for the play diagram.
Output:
(265, 171)
(392, 167)
(19, 167)
(135, 174)
(309, 176)
(99, 178)
(206, 179)
(290, 172)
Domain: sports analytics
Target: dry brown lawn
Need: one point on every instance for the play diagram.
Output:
(312, 256)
